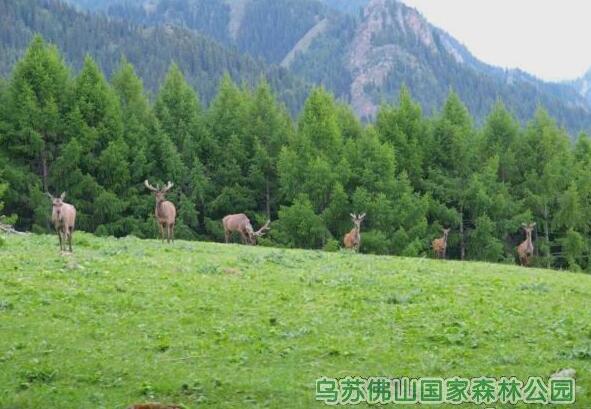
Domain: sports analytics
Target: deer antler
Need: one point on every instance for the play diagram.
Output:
(263, 230)
(149, 186)
(168, 186)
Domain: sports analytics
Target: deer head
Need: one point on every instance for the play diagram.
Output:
(262, 231)
(446, 233)
(357, 219)
(528, 228)
(159, 192)
(254, 235)
(57, 202)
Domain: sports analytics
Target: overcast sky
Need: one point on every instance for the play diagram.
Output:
(548, 38)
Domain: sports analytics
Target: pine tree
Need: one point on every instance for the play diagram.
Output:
(181, 116)
(453, 161)
(405, 129)
(268, 129)
(544, 171)
(34, 102)
(96, 123)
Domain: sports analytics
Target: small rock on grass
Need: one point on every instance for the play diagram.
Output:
(565, 373)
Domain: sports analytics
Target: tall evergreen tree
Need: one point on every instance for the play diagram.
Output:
(453, 162)
(35, 102)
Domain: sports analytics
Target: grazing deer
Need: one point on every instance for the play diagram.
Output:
(165, 211)
(63, 217)
(352, 240)
(241, 224)
(440, 244)
(526, 249)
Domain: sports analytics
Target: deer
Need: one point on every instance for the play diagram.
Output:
(526, 249)
(352, 240)
(63, 217)
(440, 245)
(241, 224)
(165, 211)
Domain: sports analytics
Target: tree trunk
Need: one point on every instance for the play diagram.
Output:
(44, 171)
(268, 198)
(547, 233)
(462, 241)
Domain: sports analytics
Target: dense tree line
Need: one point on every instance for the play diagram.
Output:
(99, 140)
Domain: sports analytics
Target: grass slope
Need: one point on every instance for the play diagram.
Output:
(229, 326)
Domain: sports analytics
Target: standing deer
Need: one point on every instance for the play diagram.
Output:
(440, 244)
(63, 217)
(165, 211)
(241, 224)
(352, 240)
(526, 249)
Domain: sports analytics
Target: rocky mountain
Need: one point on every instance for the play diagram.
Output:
(582, 86)
(362, 50)
(394, 45)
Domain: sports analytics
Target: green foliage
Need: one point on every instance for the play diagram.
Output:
(411, 176)
(299, 226)
(575, 250)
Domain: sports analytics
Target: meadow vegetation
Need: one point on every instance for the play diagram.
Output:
(123, 321)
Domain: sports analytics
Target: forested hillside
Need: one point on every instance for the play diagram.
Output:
(348, 6)
(363, 57)
(151, 49)
(98, 140)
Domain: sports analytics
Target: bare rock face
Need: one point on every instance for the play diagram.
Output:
(376, 48)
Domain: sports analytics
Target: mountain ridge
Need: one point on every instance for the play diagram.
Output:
(151, 49)
(363, 57)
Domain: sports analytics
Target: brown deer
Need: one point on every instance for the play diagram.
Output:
(241, 224)
(165, 211)
(63, 217)
(526, 249)
(352, 240)
(440, 245)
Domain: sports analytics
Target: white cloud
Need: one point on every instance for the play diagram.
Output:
(548, 38)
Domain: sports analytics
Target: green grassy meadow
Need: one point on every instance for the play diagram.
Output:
(231, 326)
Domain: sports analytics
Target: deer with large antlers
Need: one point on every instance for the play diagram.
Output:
(440, 245)
(63, 217)
(241, 224)
(165, 211)
(525, 250)
(352, 240)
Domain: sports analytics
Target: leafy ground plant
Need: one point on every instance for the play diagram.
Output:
(230, 326)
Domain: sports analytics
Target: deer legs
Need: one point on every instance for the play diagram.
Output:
(65, 237)
(244, 238)
(69, 233)
(59, 235)
(161, 231)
